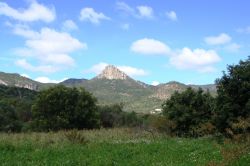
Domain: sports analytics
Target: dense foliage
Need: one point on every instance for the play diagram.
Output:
(189, 112)
(60, 107)
(233, 101)
(114, 116)
(15, 108)
(192, 112)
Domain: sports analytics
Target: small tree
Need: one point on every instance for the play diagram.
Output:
(60, 107)
(233, 101)
(188, 112)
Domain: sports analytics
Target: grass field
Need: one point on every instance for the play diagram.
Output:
(117, 147)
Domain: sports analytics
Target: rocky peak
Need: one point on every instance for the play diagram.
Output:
(111, 72)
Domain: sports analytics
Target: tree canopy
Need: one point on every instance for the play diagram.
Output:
(189, 111)
(60, 107)
(233, 101)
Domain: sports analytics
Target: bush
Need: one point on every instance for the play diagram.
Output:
(188, 112)
(60, 107)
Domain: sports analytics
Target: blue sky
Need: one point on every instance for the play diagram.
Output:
(152, 41)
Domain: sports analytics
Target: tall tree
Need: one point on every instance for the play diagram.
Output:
(233, 101)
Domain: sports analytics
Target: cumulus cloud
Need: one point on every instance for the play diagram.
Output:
(222, 38)
(49, 47)
(145, 11)
(97, 68)
(155, 83)
(47, 80)
(197, 59)
(150, 47)
(35, 12)
(89, 14)
(131, 71)
(69, 25)
(172, 15)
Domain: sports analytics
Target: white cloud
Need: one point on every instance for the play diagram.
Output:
(145, 11)
(138, 12)
(35, 12)
(197, 59)
(233, 47)
(97, 68)
(131, 71)
(150, 47)
(24, 31)
(244, 30)
(40, 68)
(49, 47)
(155, 83)
(89, 14)
(222, 38)
(47, 80)
(69, 25)
(122, 6)
(25, 75)
(172, 15)
(125, 26)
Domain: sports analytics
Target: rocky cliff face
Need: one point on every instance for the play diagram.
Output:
(3, 83)
(112, 73)
(164, 91)
(27, 86)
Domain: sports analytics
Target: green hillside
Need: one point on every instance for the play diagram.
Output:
(16, 80)
(135, 95)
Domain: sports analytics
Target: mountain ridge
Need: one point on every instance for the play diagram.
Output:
(113, 86)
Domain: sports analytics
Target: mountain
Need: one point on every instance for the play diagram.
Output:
(114, 86)
(112, 73)
(16, 80)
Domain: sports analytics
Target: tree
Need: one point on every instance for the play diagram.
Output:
(188, 112)
(110, 115)
(60, 107)
(114, 116)
(233, 100)
(8, 119)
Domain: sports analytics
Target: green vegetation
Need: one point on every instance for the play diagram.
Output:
(22, 82)
(117, 147)
(60, 107)
(233, 101)
(221, 122)
(189, 113)
(15, 108)
(114, 116)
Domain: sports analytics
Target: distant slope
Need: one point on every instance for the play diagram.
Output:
(113, 86)
(16, 80)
